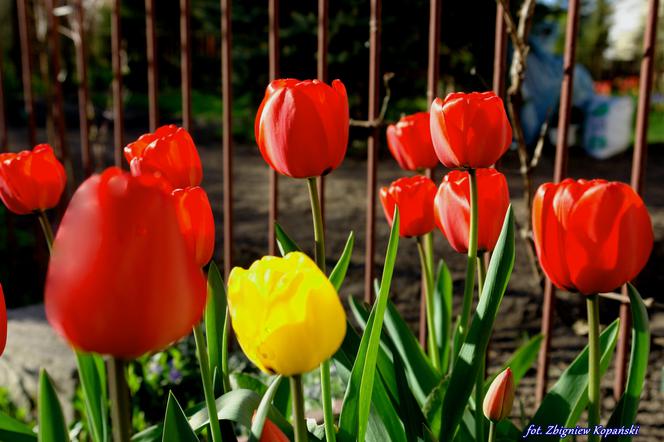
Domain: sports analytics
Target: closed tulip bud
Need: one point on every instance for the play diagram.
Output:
(286, 314)
(121, 280)
(591, 236)
(302, 127)
(470, 130)
(409, 141)
(3, 321)
(414, 197)
(500, 397)
(452, 208)
(271, 432)
(31, 181)
(170, 152)
(196, 222)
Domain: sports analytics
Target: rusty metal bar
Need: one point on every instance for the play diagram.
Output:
(273, 55)
(26, 69)
(57, 99)
(433, 73)
(82, 73)
(321, 72)
(638, 177)
(372, 146)
(185, 62)
(4, 139)
(499, 52)
(227, 139)
(153, 72)
(560, 170)
(118, 110)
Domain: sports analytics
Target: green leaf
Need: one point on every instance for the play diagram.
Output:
(215, 325)
(282, 399)
(627, 407)
(176, 425)
(373, 333)
(433, 405)
(93, 381)
(471, 355)
(11, 429)
(263, 408)
(52, 426)
(568, 397)
(384, 419)
(520, 362)
(339, 271)
(248, 382)
(442, 307)
(284, 242)
(422, 376)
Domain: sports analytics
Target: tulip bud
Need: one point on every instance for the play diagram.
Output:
(31, 180)
(498, 400)
(196, 222)
(414, 197)
(409, 141)
(286, 314)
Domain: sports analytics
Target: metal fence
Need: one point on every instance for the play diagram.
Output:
(436, 8)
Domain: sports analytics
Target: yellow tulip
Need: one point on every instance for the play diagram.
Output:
(286, 314)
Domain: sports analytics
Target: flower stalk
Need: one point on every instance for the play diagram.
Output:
(319, 239)
(479, 380)
(208, 389)
(46, 228)
(471, 260)
(297, 398)
(594, 405)
(424, 248)
(120, 402)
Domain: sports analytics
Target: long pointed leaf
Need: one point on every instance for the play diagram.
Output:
(284, 242)
(520, 362)
(338, 273)
(11, 429)
(369, 365)
(442, 305)
(176, 425)
(263, 408)
(51, 420)
(215, 323)
(626, 409)
(471, 355)
(96, 404)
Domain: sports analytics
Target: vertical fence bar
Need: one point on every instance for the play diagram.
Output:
(638, 175)
(4, 139)
(372, 146)
(560, 170)
(185, 62)
(227, 140)
(273, 55)
(82, 73)
(57, 99)
(26, 69)
(499, 52)
(118, 111)
(151, 52)
(321, 72)
(433, 72)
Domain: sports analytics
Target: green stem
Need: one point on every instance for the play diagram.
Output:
(594, 404)
(469, 286)
(224, 352)
(429, 293)
(479, 380)
(46, 228)
(119, 397)
(297, 397)
(492, 432)
(319, 238)
(208, 389)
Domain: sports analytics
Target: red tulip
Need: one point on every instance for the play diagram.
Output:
(121, 280)
(500, 397)
(302, 127)
(410, 142)
(271, 432)
(591, 236)
(414, 197)
(196, 222)
(3, 322)
(168, 151)
(470, 130)
(452, 208)
(31, 180)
